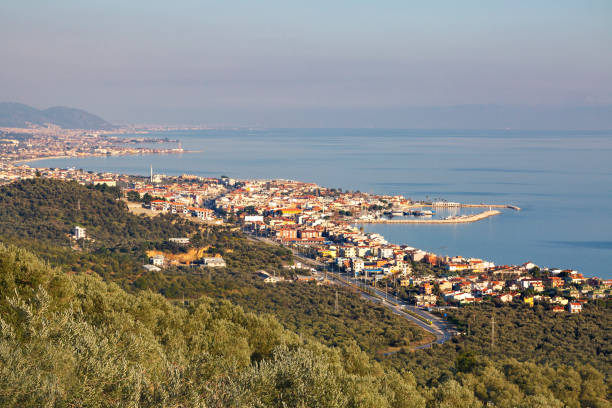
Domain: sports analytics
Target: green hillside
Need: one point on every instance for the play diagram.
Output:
(46, 210)
(73, 340)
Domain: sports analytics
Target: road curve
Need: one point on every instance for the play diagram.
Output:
(440, 328)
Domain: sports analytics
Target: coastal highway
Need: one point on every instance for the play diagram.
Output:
(440, 328)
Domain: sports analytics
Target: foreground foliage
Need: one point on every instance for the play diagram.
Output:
(73, 340)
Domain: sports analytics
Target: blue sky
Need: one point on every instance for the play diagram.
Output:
(236, 62)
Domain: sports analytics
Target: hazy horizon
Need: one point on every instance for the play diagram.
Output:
(465, 65)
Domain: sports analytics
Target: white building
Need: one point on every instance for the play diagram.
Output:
(385, 252)
(151, 268)
(214, 262)
(158, 260)
(79, 233)
(253, 218)
(180, 241)
(357, 264)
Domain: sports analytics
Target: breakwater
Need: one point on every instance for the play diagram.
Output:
(454, 220)
(512, 207)
(458, 205)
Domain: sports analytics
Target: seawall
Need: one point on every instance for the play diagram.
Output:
(456, 220)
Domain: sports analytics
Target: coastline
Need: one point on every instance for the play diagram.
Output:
(456, 220)
(85, 156)
(22, 161)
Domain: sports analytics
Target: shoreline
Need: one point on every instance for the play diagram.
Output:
(457, 220)
(86, 156)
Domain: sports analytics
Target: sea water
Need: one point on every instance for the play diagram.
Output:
(562, 181)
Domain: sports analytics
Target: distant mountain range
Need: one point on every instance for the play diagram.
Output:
(20, 115)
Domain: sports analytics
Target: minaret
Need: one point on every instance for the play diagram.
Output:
(151, 174)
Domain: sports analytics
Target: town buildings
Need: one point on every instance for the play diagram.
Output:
(318, 222)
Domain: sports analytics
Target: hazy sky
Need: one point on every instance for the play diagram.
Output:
(253, 62)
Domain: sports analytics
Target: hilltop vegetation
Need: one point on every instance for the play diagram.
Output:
(582, 341)
(73, 340)
(20, 115)
(46, 210)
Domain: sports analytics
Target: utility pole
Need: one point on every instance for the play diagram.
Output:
(336, 304)
(492, 331)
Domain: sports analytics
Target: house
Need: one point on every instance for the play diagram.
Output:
(357, 264)
(506, 297)
(529, 265)
(535, 284)
(574, 307)
(426, 288)
(79, 232)
(425, 300)
(286, 234)
(431, 259)
(348, 251)
(214, 262)
(363, 250)
(201, 213)
(496, 285)
(385, 252)
(309, 233)
(456, 267)
(159, 205)
(157, 260)
(108, 182)
(558, 309)
(267, 278)
(445, 285)
(254, 218)
(179, 241)
(554, 282)
(418, 255)
(151, 268)
(464, 287)
(178, 208)
(290, 211)
(560, 300)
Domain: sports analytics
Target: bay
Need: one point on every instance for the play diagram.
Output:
(562, 180)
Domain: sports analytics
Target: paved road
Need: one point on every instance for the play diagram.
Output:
(438, 327)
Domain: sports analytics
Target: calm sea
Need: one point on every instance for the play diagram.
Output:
(561, 180)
